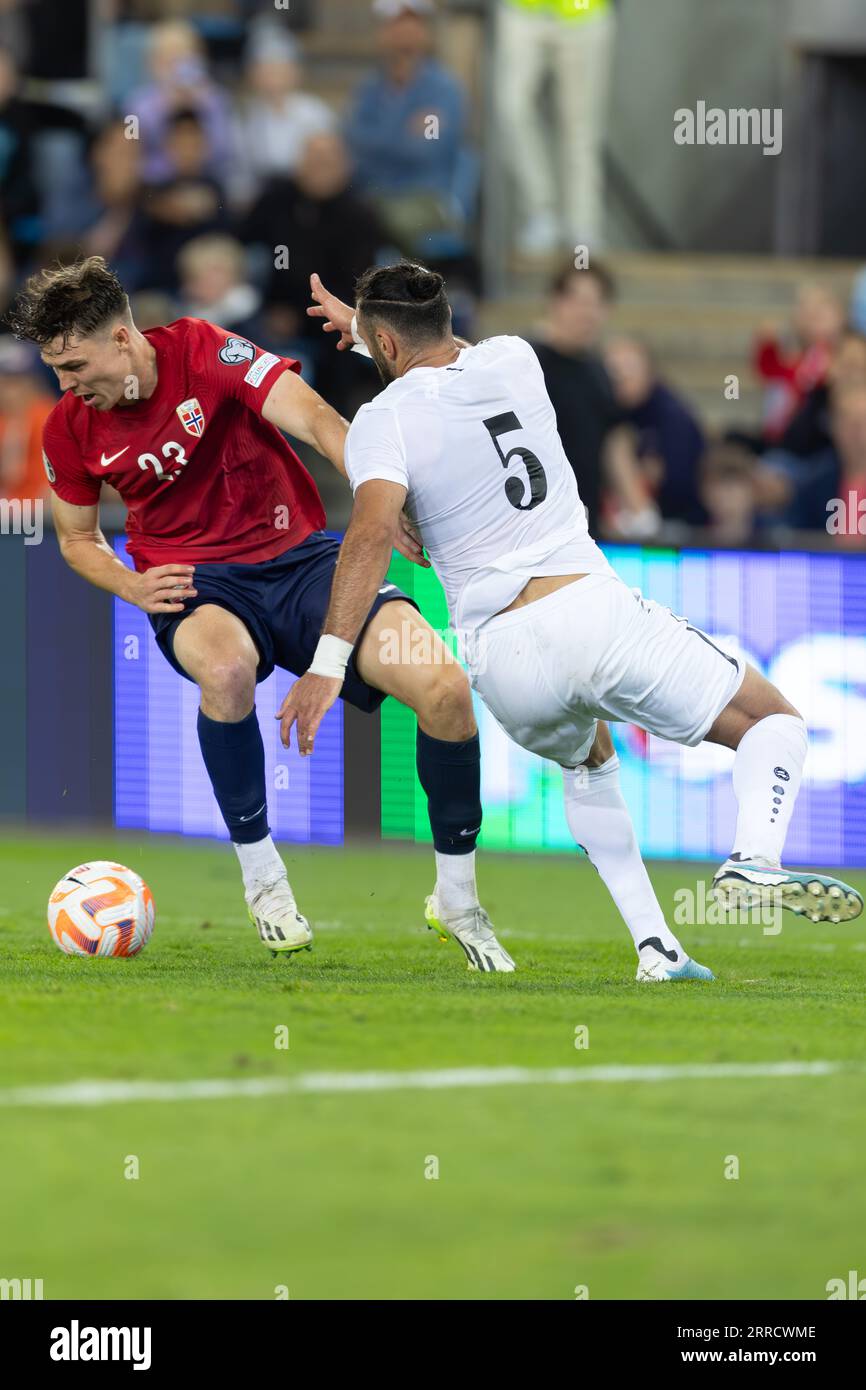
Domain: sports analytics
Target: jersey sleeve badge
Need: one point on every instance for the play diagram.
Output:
(234, 351)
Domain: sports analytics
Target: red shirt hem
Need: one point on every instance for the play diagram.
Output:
(145, 557)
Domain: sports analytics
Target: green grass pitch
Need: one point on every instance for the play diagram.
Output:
(542, 1188)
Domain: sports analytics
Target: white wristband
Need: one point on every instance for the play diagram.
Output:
(331, 657)
(360, 346)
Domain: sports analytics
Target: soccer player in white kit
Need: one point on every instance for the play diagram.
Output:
(465, 439)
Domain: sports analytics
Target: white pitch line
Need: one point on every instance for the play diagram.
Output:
(78, 1093)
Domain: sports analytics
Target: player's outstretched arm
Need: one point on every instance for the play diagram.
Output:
(361, 568)
(85, 549)
(295, 407)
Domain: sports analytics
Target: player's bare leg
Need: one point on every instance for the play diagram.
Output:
(599, 820)
(770, 741)
(402, 655)
(217, 651)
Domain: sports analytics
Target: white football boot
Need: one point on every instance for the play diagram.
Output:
(473, 931)
(752, 882)
(656, 964)
(275, 915)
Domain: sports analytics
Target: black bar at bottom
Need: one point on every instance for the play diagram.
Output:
(230, 1338)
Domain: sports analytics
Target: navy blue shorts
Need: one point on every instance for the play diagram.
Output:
(283, 603)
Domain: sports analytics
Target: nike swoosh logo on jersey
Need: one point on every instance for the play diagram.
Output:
(105, 462)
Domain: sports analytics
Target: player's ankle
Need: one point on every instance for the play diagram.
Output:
(253, 886)
(766, 860)
(261, 865)
(455, 895)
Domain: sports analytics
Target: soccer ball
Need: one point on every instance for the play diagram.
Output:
(101, 909)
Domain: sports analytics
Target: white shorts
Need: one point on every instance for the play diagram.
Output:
(592, 650)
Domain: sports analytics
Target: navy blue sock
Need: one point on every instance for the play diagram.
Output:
(234, 756)
(450, 774)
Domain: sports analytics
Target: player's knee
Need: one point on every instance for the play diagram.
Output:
(602, 749)
(787, 708)
(445, 703)
(774, 704)
(228, 688)
(757, 699)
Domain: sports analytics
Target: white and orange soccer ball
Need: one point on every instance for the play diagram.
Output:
(101, 909)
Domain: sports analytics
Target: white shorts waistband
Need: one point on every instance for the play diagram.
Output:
(527, 611)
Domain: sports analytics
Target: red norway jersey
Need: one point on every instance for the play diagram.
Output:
(205, 478)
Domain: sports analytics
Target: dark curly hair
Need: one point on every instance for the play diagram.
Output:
(63, 300)
(407, 298)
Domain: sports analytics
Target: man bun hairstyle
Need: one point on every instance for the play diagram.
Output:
(66, 300)
(407, 298)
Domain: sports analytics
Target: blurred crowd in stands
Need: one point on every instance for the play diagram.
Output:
(185, 142)
(647, 467)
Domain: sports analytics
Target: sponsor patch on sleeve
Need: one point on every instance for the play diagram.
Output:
(49, 471)
(260, 368)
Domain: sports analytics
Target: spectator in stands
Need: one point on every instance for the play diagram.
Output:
(669, 441)
(592, 425)
(838, 472)
(58, 41)
(214, 285)
(573, 43)
(315, 222)
(188, 204)
(19, 199)
(114, 223)
(13, 29)
(25, 405)
(275, 118)
(847, 494)
(180, 82)
(791, 372)
(322, 225)
(152, 309)
(728, 494)
(808, 432)
(407, 133)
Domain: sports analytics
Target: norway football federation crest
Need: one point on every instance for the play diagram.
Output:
(191, 416)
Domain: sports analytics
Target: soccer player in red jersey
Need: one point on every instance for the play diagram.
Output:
(225, 529)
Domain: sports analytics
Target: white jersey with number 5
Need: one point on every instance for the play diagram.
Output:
(489, 485)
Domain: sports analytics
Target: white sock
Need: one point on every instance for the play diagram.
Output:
(768, 767)
(261, 865)
(598, 819)
(455, 882)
